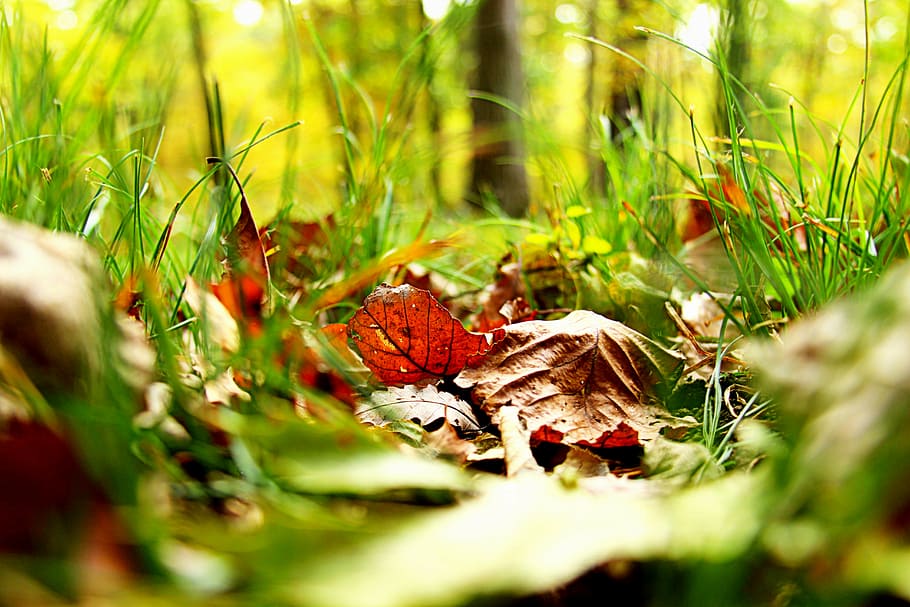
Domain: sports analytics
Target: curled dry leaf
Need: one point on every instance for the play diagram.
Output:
(223, 389)
(516, 443)
(445, 441)
(244, 288)
(244, 243)
(508, 287)
(517, 310)
(425, 406)
(405, 336)
(583, 380)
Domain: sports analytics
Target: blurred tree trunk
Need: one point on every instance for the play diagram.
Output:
(498, 164)
(433, 116)
(612, 105)
(597, 170)
(734, 50)
(625, 88)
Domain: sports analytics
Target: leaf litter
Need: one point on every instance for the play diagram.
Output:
(583, 383)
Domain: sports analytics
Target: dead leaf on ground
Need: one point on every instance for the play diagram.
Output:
(245, 251)
(516, 442)
(405, 336)
(722, 198)
(244, 297)
(517, 310)
(294, 247)
(581, 463)
(244, 288)
(583, 380)
(322, 360)
(52, 510)
(223, 389)
(446, 441)
(220, 324)
(507, 287)
(425, 406)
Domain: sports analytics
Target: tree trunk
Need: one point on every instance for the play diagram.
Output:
(618, 100)
(594, 140)
(498, 169)
(733, 42)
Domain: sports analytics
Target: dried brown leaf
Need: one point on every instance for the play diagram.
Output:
(447, 442)
(508, 286)
(583, 380)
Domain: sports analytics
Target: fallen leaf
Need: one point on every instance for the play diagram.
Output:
(291, 247)
(244, 288)
(581, 463)
(507, 287)
(244, 245)
(705, 317)
(446, 442)
(516, 443)
(43, 483)
(220, 324)
(244, 297)
(322, 360)
(517, 310)
(336, 337)
(425, 406)
(583, 380)
(223, 389)
(405, 336)
(53, 511)
(723, 199)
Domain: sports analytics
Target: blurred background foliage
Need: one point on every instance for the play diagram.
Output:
(263, 59)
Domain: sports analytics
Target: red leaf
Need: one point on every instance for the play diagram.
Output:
(41, 482)
(405, 336)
